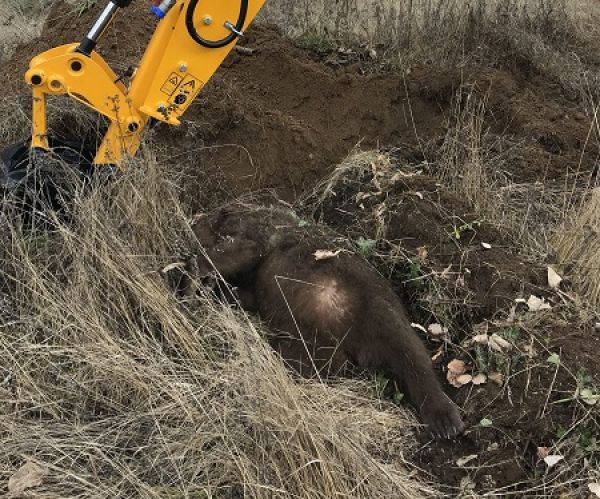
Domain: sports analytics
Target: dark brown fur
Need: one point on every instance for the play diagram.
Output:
(325, 315)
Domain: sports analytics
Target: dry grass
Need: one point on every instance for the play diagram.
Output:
(578, 245)
(554, 38)
(120, 391)
(470, 161)
(19, 23)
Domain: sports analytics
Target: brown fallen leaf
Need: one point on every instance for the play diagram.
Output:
(554, 279)
(553, 460)
(462, 380)
(536, 304)
(437, 329)
(419, 327)
(456, 373)
(497, 378)
(482, 339)
(326, 254)
(422, 253)
(465, 460)
(543, 452)
(498, 344)
(28, 476)
(457, 367)
(594, 488)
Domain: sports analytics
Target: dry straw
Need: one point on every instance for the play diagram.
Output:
(121, 391)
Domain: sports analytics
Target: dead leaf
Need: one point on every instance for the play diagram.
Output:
(457, 367)
(479, 379)
(497, 378)
(486, 246)
(467, 459)
(498, 344)
(543, 452)
(589, 396)
(553, 460)
(482, 339)
(594, 488)
(437, 329)
(28, 476)
(536, 304)
(486, 423)
(554, 279)
(173, 266)
(326, 254)
(422, 252)
(462, 380)
(419, 327)
(456, 370)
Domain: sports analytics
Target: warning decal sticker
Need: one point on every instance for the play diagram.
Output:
(187, 90)
(171, 84)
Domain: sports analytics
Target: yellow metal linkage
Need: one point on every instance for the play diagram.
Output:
(171, 74)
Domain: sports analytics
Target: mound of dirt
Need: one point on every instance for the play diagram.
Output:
(281, 119)
(465, 276)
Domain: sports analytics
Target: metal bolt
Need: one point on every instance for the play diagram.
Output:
(162, 108)
(207, 20)
(183, 67)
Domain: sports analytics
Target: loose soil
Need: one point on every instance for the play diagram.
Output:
(282, 118)
(471, 290)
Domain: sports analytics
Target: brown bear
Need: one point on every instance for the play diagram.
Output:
(326, 311)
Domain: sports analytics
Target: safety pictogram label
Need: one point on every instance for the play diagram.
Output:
(171, 84)
(186, 91)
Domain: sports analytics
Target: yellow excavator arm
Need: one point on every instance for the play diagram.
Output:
(192, 39)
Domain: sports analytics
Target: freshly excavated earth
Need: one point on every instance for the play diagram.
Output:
(282, 118)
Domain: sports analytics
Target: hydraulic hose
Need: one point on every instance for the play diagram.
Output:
(216, 44)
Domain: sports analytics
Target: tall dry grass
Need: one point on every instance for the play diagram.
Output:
(119, 390)
(471, 160)
(556, 38)
(578, 245)
(20, 21)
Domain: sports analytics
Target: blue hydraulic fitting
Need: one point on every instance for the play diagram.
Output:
(161, 9)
